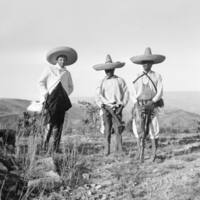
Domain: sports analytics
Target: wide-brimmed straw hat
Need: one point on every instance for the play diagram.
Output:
(70, 53)
(35, 107)
(148, 56)
(108, 64)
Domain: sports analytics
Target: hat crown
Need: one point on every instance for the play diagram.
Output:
(108, 59)
(147, 51)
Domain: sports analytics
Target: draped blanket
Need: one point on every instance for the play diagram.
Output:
(57, 104)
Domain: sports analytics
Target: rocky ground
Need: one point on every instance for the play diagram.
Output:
(174, 175)
(81, 171)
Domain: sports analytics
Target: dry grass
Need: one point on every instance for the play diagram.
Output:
(87, 174)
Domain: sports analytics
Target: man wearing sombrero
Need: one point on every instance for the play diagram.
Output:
(111, 96)
(147, 96)
(55, 85)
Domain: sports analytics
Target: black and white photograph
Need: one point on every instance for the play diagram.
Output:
(99, 100)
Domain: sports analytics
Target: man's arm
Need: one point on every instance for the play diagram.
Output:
(70, 84)
(42, 83)
(133, 95)
(135, 88)
(159, 87)
(125, 93)
(98, 95)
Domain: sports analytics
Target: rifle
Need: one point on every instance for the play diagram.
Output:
(116, 120)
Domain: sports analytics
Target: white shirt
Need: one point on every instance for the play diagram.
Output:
(138, 87)
(112, 90)
(50, 74)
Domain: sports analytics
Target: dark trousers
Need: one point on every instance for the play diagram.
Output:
(109, 124)
(56, 130)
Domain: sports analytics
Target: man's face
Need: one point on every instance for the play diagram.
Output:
(109, 72)
(147, 66)
(62, 61)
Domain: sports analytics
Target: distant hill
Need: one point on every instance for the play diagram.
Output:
(12, 109)
(75, 112)
(188, 101)
(10, 119)
(177, 118)
(181, 109)
(76, 99)
(13, 106)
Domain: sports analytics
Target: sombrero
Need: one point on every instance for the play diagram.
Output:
(108, 64)
(35, 107)
(70, 53)
(148, 56)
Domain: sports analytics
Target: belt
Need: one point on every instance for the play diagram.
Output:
(143, 101)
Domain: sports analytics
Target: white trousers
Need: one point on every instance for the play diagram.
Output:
(102, 129)
(154, 127)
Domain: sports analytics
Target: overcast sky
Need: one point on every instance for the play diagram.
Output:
(95, 28)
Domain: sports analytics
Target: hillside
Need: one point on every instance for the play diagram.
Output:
(12, 109)
(188, 101)
(13, 106)
(179, 119)
(181, 109)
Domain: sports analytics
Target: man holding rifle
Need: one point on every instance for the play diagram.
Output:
(147, 97)
(111, 96)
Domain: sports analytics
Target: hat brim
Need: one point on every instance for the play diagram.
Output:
(35, 107)
(66, 51)
(153, 57)
(107, 66)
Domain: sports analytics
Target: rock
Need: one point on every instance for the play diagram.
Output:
(3, 169)
(9, 163)
(45, 164)
(86, 176)
(46, 183)
(185, 178)
(103, 197)
(98, 187)
(89, 192)
(47, 179)
(52, 174)
(104, 183)
(187, 149)
(113, 194)
(12, 186)
(155, 170)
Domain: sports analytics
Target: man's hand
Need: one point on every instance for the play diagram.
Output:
(46, 95)
(150, 103)
(119, 109)
(102, 106)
